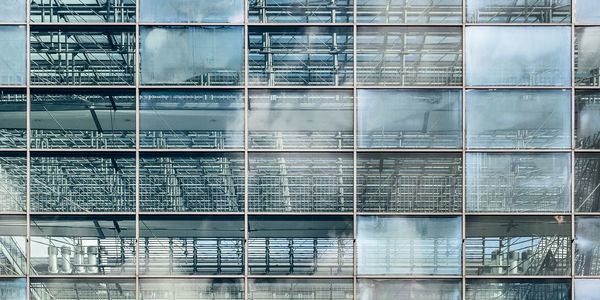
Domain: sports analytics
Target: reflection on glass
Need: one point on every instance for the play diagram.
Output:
(84, 119)
(409, 118)
(518, 289)
(188, 11)
(300, 245)
(409, 182)
(517, 245)
(300, 182)
(82, 289)
(331, 289)
(13, 231)
(409, 11)
(82, 182)
(82, 11)
(409, 56)
(300, 119)
(300, 11)
(520, 11)
(387, 245)
(207, 119)
(587, 289)
(587, 56)
(518, 119)
(13, 288)
(587, 11)
(82, 245)
(518, 182)
(587, 246)
(13, 119)
(203, 182)
(191, 289)
(13, 57)
(521, 56)
(204, 55)
(13, 11)
(391, 289)
(13, 182)
(587, 182)
(587, 119)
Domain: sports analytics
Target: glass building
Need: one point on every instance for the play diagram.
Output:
(299, 149)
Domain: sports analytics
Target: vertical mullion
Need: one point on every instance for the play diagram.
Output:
(246, 36)
(464, 155)
(28, 159)
(572, 177)
(355, 143)
(137, 150)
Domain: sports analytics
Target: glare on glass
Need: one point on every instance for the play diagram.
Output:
(189, 11)
(13, 11)
(388, 289)
(13, 57)
(518, 11)
(512, 289)
(587, 11)
(13, 180)
(409, 11)
(587, 289)
(587, 246)
(191, 288)
(13, 288)
(13, 232)
(587, 61)
(92, 288)
(587, 119)
(300, 288)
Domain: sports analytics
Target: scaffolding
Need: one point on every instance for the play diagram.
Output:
(82, 11)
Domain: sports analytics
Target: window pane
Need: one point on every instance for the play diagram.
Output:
(300, 245)
(518, 119)
(83, 289)
(409, 118)
(408, 245)
(13, 232)
(587, 119)
(389, 289)
(409, 56)
(13, 288)
(84, 119)
(517, 289)
(205, 119)
(201, 182)
(409, 11)
(13, 57)
(13, 180)
(300, 119)
(300, 182)
(300, 11)
(518, 182)
(518, 245)
(331, 289)
(409, 182)
(13, 119)
(204, 55)
(587, 246)
(191, 289)
(188, 11)
(13, 11)
(587, 182)
(587, 11)
(83, 11)
(82, 182)
(587, 289)
(587, 64)
(511, 11)
(522, 56)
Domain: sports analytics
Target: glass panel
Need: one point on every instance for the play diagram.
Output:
(13, 182)
(13, 119)
(101, 119)
(189, 11)
(518, 245)
(518, 289)
(519, 11)
(300, 119)
(518, 119)
(409, 182)
(191, 289)
(205, 55)
(13, 11)
(587, 64)
(409, 56)
(82, 289)
(188, 245)
(207, 119)
(587, 246)
(331, 289)
(13, 288)
(82, 182)
(82, 11)
(203, 182)
(587, 11)
(409, 11)
(300, 245)
(300, 11)
(518, 182)
(587, 289)
(13, 259)
(13, 57)
(82, 245)
(392, 245)
(522, 56)
(409, 118)
(300, 56)
(587, 119)
(587, 182)
(300, 182)
(392, 289)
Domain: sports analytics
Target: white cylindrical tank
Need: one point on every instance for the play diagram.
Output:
(78, 260)
(52, 259)
(513, 262)
(65, 252)
(92, 259)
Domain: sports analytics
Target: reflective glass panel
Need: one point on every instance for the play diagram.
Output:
(100, 119)
(189, 11)
(82, 245)
(82, 289)
(13, 181)
(331, 289)
(13, 57)
(13, 259)
(518, 289)
(518, 245)
(587, 246)
(409, 118)
(587, 64)
(13, 288)
(518, 119)
(13, 119)
(587, 119)
(300, 119)
(82, 182)
(587, 182)
(206, 119)
(518, 11)
(587, 11)
(205, 55)
(82, 11)
(13, 11)
(409, 56)
(191, 289)
(300, 245)
(201, 182)
(300, 182)
(392, 289)
(387, 245)
(521, 56)
(587, 289)
(409, 182)
(300, 11)
(518, 182)
(409, 11)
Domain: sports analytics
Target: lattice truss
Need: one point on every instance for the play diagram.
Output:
(82, 289)
(13, 182)
(82, 11)
(522, 11)
(413, 11)
(587, 185)
(300, 11)
(300, 289)
(519, 289)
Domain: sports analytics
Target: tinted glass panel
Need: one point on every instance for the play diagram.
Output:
(587, 246)
(517, 289)
(390, 289)
(587, 182)
(331, 289)
(408, 245)
(13, 11)
(300, 119)
(587, 289)
(205, 55)
(13, 231)
(13, 119)
(13, 57)
(13, 180)
(587, 11)
(409, 11)
(300, 11)
(542, 56)
(518, 182)
(587, 119)
(409, 119)
(518, 119)
(83, 11)
(188, 11)
(83, 289)
(519, 11)
(587, 64)
(191, 289)
(13, 288)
